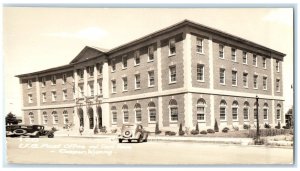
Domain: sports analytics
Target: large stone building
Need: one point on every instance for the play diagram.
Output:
(187, 73)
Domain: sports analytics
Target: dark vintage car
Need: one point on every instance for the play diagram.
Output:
(134, 132)
(32, 131)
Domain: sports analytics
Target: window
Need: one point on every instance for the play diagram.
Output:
(234, 78)
(90, 71)
(53, 79)
(173, 108)
(245, 79)
(81, 93)
(125, 113)
(91, 89)
(235, 106)
(44, 98)
(66, 117)
(113, 65)
(53, 94)
(31, 118)
(264, 63)
(100, 86)
(201, 110)
(114, 114)
(255, 81)
(172, 74)
(43, 81)
(124, 62)
(65, 95)
(138, 112)
(244, 57)
(172, 47)
(30, 98)
(246, 111)
(80, 73)
(152, 112)
(137, 81)
(125, 84)
(29, 84)
(114, 86)
(278, 112)
(265, 83)
(55, 117)
(151, 81)
(200, 72)
(223, 110)
(277, 66)
(137, 59)
(222, 76)
(221, 51)
(150, 53)
(199, 45)
(64, 78)
(45, 118)
(265, 111)
(278, 85)
(254, 60)
(233, 54)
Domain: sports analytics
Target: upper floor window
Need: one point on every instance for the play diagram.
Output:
(201, 110)
(254, 60)
(65, 95)
(44, 97)
(29, 84)
(113, 65)
(152, 112)
(114, 86)
(234, 78)
(222, 76)
(151, 81)
(100, 86)
(245, 57)
(172, 47)
(200, 72)
(53, 95)
(91, 89)
(30, 100)
(53, 79)
(124, 61)
(265, 83)
(245, 79)
(43, 81)
(278, 85)
(199, 45)
(125, 84)
(264, 63)
(137, 59)
(221, 51)
(64, 78)
(255, 81)
(172, 72)
(233, 54)
(277, 66)
(173, 108)
(150, 53)
(137, 81)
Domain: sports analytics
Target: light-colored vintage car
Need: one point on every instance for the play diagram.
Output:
(134, 132)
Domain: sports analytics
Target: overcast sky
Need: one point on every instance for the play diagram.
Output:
(39, 38)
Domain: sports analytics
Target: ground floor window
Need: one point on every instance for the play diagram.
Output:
(173, 110)
(31, 118)
(114, 114)
(45, 118)
(125, 113)
(152, 112)
(246, 113)
(223, 110)
(55, 117)
(201, 110)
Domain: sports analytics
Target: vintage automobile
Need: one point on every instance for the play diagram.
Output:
(32, 131)
(131, 132)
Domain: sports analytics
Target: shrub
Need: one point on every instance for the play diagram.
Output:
(235, 128)
(170, 133)
(210, 131)
(54, 129)
(225, 130)
(157, 131)
(286, 127)
(197, 127)
(114, 131)
(203, 132)
(245, 126)
(181, 132)
(216, 127)
(278, 126)
(270, 132)
(267, 126)
(194, 132)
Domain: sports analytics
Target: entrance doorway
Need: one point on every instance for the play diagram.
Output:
(99, 112)
(91, 117)
(80, 116)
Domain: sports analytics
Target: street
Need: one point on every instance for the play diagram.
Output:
(69, 150)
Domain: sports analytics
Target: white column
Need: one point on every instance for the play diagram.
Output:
(212, 110)
(85, 119)
(95, 81)
(38, 100)
(211, 80)
(21, 100)
(274, 113)
(272, 77)
(188, 117)
(76, 84)
(158, 56)
(160, 112)
(85, 78)
(106, 115)
(105, 80)
(96, 119)
(76, 119)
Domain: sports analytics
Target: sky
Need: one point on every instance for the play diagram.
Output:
(40, 38)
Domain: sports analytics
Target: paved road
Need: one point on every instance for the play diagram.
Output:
(109, 151)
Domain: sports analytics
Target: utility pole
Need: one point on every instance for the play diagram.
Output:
(257, 140)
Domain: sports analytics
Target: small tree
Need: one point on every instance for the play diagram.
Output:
(181, 132)
(197, 127)
(216, 127)
(11, 119)
(157, 131)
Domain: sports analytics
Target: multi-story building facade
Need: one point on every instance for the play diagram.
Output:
(187, 73)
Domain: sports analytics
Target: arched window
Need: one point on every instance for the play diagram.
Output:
(55, 117)
(45, 117)
(246, 111)
(201, 110)
(266, 111)
(152, 112)
(138, 113)
(223, 105)
(173, 110)
(235, 106)
(31, 118)
(114, 114)
(278, 112)
(66, 117)
(125, 113)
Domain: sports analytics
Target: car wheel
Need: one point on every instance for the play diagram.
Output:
(140, 140)
(50, 135)
(129, 141)
(120, 140)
